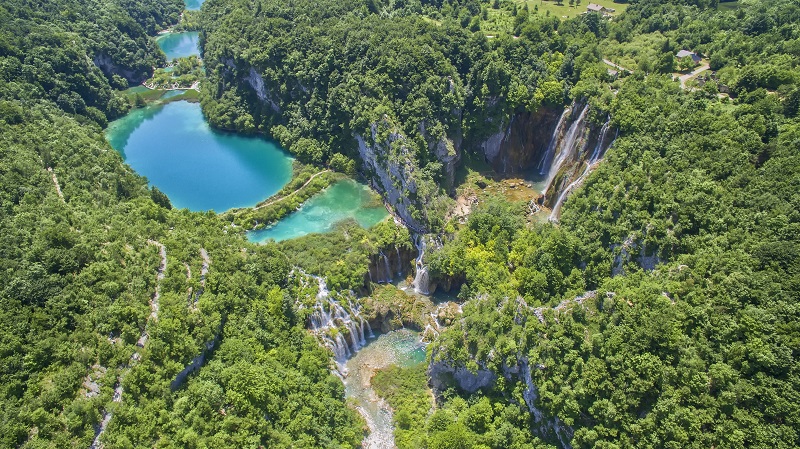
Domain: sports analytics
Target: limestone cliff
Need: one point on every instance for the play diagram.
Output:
(394, 170)
(109, 67)
(444, 374)
(521, 144)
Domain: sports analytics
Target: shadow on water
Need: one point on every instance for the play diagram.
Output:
(120, 131)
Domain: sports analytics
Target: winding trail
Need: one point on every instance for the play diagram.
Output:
(203, 275)
(162, 268)
(118, 389)
(58, 187)
(295, 191)
(204, 267)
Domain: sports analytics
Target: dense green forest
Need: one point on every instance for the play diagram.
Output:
(80, 254)
(700, 351)
(661, 311)
(323, 73)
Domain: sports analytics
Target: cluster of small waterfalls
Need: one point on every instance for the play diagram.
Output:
(337, 318)
(341, 329)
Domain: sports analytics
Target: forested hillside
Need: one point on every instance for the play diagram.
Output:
(386, 83)
(659, 310)
(662, 311)
(76, 53)
(108, 294)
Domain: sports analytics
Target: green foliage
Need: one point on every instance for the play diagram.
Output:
(320, 75)
(406, 391)
(183, 74)
(661, 312)
(343, 164)
(73, 53)
(481, 422)
(78, 277)
(306, 182)
(681, 237)
(342, 256)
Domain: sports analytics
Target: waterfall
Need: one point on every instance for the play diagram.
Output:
(383, 270)
(551, 147)
(557, 206)
(341, 329)
(421, 282)
(399, 262)
(599, 147)
(566, 147)
(598, 152)
(387, 266)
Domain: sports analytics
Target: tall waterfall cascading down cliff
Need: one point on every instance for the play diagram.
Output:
(566, 147)
(562, 147)
(597, 153)
(421, 282)
(383, 269)
(598, 148)
(547, 159)
(556, 210)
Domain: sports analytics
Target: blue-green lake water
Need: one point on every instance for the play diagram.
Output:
(400, 347)
(197, 167)
(179, 45)
(193, 5)
(343, 200)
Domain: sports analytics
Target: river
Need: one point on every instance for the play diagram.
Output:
(400, 347)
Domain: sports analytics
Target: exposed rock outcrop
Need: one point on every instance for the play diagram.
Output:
(546, 427)
(633, 249)
(443, 375)
(561, 145)
(521, 144)
(391, 167)
(109, 67)
(256, 81)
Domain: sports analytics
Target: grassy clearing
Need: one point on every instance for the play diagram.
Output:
(729, 6)
(501, 20)
(567, 12)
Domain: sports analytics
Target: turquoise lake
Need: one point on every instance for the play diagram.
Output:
(179, 45)
(193, 5)
(343, 200)
(197, 167)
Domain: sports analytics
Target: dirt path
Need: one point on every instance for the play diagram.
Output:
(118, 390)
(295, 191)
(55, 181)
(617, 66)
(203, 275)
(160, 273)
(695, 72)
